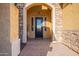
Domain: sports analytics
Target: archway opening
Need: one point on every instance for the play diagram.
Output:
(38, 21)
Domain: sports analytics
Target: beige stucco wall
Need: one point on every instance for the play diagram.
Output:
(5, 46)
(14, 30)
(71, 17)
(8, 28)
(37, 11)
(14, 25)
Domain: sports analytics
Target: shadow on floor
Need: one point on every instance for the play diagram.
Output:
(36, 47)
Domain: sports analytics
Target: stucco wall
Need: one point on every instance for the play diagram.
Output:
(5, 46)
(14, 22)
(71, 26)
(9, 41)
(37, 11)
(71, 17)
(14, 30)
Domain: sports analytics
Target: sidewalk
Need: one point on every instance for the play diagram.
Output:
(61, 50)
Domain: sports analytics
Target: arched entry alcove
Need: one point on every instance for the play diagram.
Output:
(29, 5)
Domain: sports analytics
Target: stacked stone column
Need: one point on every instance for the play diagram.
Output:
(58, 22)
(20, 7)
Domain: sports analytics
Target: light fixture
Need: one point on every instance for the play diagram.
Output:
(44, 7)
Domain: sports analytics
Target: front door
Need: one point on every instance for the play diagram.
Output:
(39, 27)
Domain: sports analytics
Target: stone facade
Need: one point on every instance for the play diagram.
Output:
(71, 39)
(20, 7)
(58, 22)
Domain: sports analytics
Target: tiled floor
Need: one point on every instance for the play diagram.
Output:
(44, 47)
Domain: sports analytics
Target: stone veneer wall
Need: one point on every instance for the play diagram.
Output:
(20, 7)
(58, 23)
(71, 39)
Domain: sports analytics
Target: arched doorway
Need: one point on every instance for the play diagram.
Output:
(42, 17)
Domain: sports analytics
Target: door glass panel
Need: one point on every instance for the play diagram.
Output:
(39, 24)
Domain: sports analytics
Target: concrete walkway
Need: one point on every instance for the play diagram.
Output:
(44, 47)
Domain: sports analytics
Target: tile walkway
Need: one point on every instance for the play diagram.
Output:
(44, 47)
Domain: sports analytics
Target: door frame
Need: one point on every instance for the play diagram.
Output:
(42, 24)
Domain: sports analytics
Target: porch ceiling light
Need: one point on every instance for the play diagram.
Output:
(44, 7)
